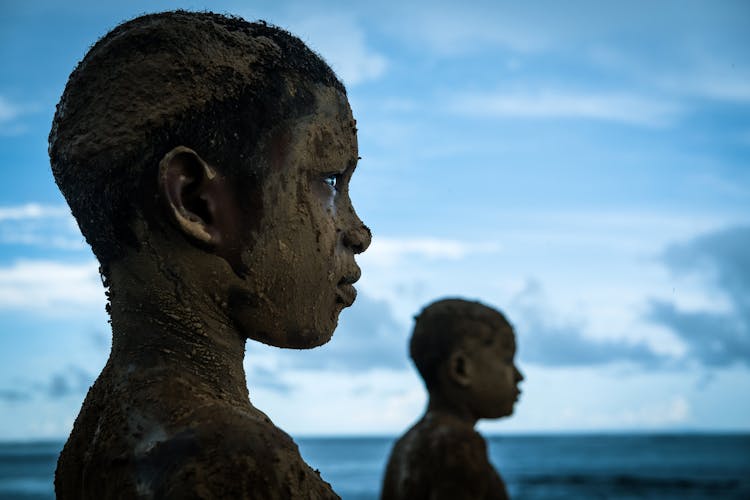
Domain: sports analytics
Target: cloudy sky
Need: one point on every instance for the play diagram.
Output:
(585, 168)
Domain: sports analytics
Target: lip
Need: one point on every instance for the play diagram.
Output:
(345, 294)
(345, 291)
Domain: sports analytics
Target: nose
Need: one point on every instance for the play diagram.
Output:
(357, 236)
(519, 375)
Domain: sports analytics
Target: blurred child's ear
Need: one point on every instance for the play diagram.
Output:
(460, 368)
(188, 188)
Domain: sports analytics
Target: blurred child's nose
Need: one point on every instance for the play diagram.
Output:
(519, 375)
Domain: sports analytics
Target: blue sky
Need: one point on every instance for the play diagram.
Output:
(583, 167)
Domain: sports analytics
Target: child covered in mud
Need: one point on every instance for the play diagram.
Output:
(464, 352)
(207, 161)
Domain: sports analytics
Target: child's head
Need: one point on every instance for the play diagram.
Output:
(217, 85)
(225, 136)
(464, 352)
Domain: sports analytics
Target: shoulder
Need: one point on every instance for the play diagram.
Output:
(434, 434)
(458, 449)
(436, 457)
(125, 446)
(233, 456)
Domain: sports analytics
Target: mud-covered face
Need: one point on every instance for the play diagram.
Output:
(495, 377)
(300, 265)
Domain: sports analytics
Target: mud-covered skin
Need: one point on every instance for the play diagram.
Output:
(128, 445)
(441, 457)
(464, 352)
(170, 415)
(308, 236)
(214, 83)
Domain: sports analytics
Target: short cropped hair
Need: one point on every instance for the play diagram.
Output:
(219, 85)
(443, 326)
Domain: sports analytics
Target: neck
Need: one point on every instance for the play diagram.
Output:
(442, 405)
(163, 327)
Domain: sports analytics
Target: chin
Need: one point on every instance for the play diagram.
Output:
(310, 334)
(500, 412)
(283, 327)
(306, 340)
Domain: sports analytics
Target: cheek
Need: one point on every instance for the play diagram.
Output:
(503, 382)
(322, 227)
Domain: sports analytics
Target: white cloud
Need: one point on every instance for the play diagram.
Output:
(615, 107)
(665, 413)
(386, 251)
(454, 29)
(464, 30)
(342, 43)
(8, 110)
(640, 232)
(377, 402)
(50, 287)
(604, 399)
(32, 238)
(721, 87)
(694, 74)
(33, 211)
(50, 226)
(720, 184)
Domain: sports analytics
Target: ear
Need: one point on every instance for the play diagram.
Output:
(190, 189)
(460, 368)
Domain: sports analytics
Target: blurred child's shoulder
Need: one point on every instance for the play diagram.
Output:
(439, 435)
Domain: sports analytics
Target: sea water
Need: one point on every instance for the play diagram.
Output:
(626, 466)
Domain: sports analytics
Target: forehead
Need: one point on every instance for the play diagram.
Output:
(325, 138)
(494, 334)
(331, 119)
(326, 134)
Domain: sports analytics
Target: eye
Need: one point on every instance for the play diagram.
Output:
(332, 180)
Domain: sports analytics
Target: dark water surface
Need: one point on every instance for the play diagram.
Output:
(627, 466)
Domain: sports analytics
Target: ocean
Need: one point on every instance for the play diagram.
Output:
(623, 466)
